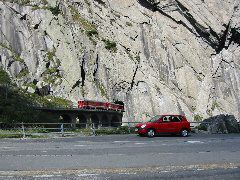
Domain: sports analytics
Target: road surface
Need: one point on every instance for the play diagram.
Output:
(122, 157)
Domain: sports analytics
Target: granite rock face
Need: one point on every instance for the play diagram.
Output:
(157, 56)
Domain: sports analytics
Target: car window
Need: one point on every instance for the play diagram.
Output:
(166, 119)
(155, 119)
(175, 119)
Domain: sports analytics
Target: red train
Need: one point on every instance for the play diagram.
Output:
(87, 104)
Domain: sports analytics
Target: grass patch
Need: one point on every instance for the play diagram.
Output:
(21, 2)
(51, 70)
(118, 130)
(54, 10)
(92, 32)
(106, 130)
(14, 134)
(102, 89)
(128, 24)
(15, 56)
(198, 117)
(110, 45)
(215, 105)
(137, 57)
(32, 85)
(50, 54)
(87, 26)
(22, 73)
(11, 135)
(32, 132)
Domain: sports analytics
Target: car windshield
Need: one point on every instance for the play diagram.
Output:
(155, 118)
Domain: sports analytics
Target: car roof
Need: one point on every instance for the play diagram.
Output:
(170, 115)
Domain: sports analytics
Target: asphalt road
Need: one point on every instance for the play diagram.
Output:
(122, 157)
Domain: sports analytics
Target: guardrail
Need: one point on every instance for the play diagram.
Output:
(62, 128)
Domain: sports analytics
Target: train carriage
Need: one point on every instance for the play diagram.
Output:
(87, 104)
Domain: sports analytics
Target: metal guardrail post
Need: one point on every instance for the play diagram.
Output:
(62, 130)
(94, 130)
(23, 131)
(129, 130)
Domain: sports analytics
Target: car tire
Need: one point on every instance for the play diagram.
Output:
(184, 133)
(151, 133)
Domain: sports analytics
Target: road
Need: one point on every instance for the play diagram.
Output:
(122, 157)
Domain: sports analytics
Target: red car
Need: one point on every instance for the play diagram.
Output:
(160, 124)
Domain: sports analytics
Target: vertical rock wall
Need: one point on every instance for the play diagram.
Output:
(168, 56)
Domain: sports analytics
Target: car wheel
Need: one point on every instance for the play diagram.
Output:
(151, 133)
(184, 133)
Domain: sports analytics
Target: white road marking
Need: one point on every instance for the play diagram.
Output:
(139, 143)
(37, 155)
(80, 145)
(165, 153)
(8, 147)
(192, 142)
(84, 175)
(6, 177)
(122, 141)
(44, 176)
(83, 141)
(126, 173)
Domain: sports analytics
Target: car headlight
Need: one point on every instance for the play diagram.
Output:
(143, 126)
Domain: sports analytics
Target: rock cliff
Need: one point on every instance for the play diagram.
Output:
(157, 56)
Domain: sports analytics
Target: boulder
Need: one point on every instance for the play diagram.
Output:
(220, 124)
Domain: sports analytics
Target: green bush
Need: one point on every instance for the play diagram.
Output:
(4, 77)
(55, 10)
(18, 106)
(92, 32)
(51, 54)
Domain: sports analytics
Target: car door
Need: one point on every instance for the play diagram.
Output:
(163, 125)
(175, 124)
